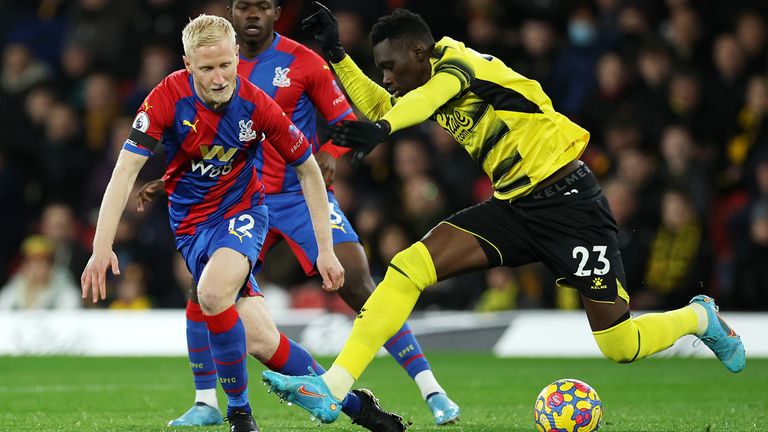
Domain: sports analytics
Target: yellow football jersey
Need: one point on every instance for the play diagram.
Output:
(503, 120)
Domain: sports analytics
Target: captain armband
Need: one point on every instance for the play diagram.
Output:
(141, 143)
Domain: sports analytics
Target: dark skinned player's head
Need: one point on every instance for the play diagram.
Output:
(402, 45)
(254, 20)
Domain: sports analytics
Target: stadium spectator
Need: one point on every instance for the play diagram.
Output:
(101, 107)
(633, 237)
(751, 280)
(725, 88)
(539, 46)
(76, 64)
(21, 70)
(130, 292)
(574, 77)
(501, 293)
(677, 258)
(683, 167)
(654, 68)
(61, 156)
(683, 33)
(609, 99)
(59, 225)
(751, 133)
(40, 283)
(752, 36)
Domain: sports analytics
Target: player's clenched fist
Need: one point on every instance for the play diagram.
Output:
(94, 277)
(324, 27)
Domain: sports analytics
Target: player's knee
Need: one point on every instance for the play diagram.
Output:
(416, 264)
(619, 343)
(620, 354)
(212, 301)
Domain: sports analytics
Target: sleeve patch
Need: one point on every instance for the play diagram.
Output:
(141, 122)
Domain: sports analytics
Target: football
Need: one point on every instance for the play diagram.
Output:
(568, 405)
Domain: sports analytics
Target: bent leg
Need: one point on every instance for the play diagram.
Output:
(626, 339)
(403, 346)
(410, 272)
(276, 351)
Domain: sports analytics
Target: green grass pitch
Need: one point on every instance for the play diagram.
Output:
(142, 394)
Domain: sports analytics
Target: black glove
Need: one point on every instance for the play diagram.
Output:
(324, 27)
(360, 136)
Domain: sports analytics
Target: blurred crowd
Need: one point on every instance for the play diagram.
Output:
(674, 93)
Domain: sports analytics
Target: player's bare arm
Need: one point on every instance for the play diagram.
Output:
(317, 201)
(118, 190)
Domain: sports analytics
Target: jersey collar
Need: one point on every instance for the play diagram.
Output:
(267, 52)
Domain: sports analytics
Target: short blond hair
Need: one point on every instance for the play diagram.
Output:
(206, 30)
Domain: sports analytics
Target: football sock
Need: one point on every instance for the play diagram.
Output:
(227, 337)
(291, 359)
(208, 397)
(427, 384)
(199, 350)
(338, 380)
(637, 338)
(702, 316)
(406, 351)
(385, 311)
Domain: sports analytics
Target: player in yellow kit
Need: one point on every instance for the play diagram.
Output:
(547, 205)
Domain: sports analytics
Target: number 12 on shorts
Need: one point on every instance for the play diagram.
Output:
(582, 254)
(244, 228)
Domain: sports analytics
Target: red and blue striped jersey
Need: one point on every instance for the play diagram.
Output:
(300, 82)
(211, 170)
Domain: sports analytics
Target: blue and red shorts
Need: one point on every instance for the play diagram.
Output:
(289, 220)
(245, 232)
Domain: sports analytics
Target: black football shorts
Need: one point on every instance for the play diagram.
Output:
(568, 226)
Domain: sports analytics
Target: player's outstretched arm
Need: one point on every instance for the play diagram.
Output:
(313, 187)
(93, 279)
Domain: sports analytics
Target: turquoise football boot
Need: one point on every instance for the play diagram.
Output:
(721, 338)
(199, 415)
(308, 392)
(444, 410)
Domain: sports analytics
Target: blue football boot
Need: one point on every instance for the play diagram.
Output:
(308, 392)
(443, 409)
(721, 338)
(199, 415)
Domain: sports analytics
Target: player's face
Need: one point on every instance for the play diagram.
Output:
(405, 66)
(214, 68)
(254, 20)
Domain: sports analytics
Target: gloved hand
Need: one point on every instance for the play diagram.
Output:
(360, 136)
(324, 27)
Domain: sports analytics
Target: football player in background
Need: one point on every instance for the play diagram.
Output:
(547, 205)
(213, 123)
(300, 82)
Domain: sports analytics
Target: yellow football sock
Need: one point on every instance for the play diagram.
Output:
(384, 313)
(637, 338)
